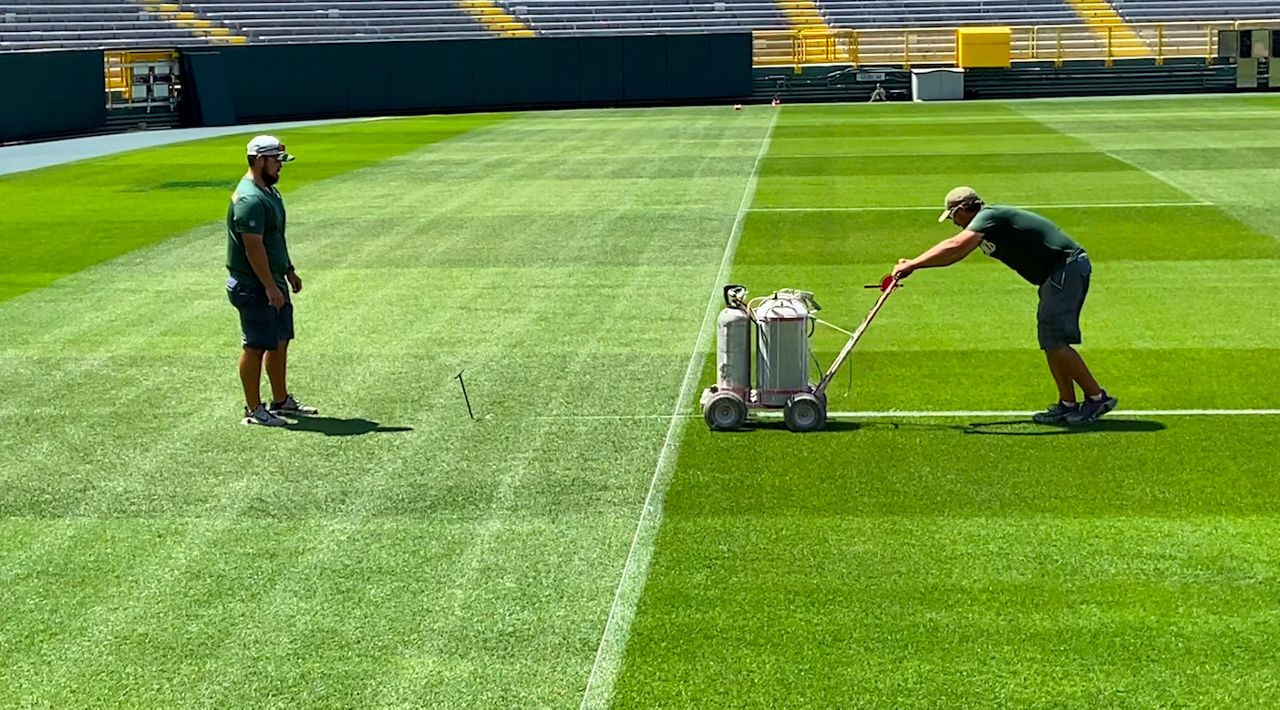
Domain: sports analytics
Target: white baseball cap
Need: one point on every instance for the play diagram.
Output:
(268, 146)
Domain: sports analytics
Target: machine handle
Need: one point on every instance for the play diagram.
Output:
(886, 283)
(887, 286)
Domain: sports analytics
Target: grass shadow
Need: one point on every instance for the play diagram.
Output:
(334, 426)
(1027, 428)
(779, 425)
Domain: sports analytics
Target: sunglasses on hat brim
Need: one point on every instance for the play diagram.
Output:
(280, 155)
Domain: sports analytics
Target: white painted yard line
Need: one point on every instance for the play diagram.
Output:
(1217, 113)
(782, 155)
(984, 413)
(935, 208)
(946, 414)
(635, 572)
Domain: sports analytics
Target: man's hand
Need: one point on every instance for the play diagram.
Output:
(275, 296)
(295, 281)
(904, 268)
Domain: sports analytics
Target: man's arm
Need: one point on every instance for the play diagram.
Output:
(944, 253)
(257, 255)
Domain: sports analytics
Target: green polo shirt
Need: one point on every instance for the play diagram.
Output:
(255, 210)
(1024, 241)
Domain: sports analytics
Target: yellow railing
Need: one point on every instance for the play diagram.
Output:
(937, 46)
(118, 66)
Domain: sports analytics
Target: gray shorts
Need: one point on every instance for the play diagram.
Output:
(1061, 299)
(263, 326)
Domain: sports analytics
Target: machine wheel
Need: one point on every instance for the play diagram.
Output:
(804, 412)
(725, 411)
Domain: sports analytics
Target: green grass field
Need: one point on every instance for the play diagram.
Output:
(576, 543)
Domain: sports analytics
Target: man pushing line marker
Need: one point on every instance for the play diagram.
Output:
(1041, 253)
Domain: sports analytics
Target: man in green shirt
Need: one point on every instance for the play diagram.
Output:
(1043, 255)
(260, 276)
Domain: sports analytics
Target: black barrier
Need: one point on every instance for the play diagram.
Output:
(270, 82)
(688, 59)
(212, 105)
(50, 94)
(600, 77)
(644, 68)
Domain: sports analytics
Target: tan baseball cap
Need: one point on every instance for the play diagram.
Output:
(956, 198)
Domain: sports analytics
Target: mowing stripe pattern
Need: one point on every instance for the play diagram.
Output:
(635, 570)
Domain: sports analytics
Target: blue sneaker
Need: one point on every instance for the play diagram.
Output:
(1056, 414)
(1090, 410)
(259, 416)
(291, 407)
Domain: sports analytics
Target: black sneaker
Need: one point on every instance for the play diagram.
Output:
(1090, 410)
(1056, 414)
(259, 416)
(290, 406)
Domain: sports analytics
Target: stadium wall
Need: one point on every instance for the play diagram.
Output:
(250, 83)
(50, 94)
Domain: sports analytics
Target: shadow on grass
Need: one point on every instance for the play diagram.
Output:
(1024, 427)
(778, 425)
(333, 426)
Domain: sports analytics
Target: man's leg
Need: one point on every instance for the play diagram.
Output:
(251, 376)
(277, 371)
(1068, 367)
(282, 402)
(1061, 378)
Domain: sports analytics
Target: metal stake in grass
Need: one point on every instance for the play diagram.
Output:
(465, 398)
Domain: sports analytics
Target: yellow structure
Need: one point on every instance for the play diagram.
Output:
(803, 16)
(495, 18)
(119, 67)
(1109, 26)
(906, 47)
(211, 31)
(984, 47)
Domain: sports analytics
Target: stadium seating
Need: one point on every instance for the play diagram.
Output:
(338, 20)
(41, 24)
(49, 24)
(1192, 10)
(863, 14)
(584, 17)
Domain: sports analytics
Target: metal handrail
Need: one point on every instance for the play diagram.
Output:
(1057, 43)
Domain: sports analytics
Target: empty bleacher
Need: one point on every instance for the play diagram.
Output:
(586, 17)
(867, 14)
(56, 24)
(44, 24)
(1196, 10)
(342, 20)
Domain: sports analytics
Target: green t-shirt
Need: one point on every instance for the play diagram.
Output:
(255, 210)
(1026, 242)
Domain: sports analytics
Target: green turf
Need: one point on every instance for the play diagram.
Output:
(153, 551)
(393, 552)
(975, 562)
(63, 219)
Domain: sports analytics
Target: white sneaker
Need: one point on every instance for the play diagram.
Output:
(261, 417)
(291, 406)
